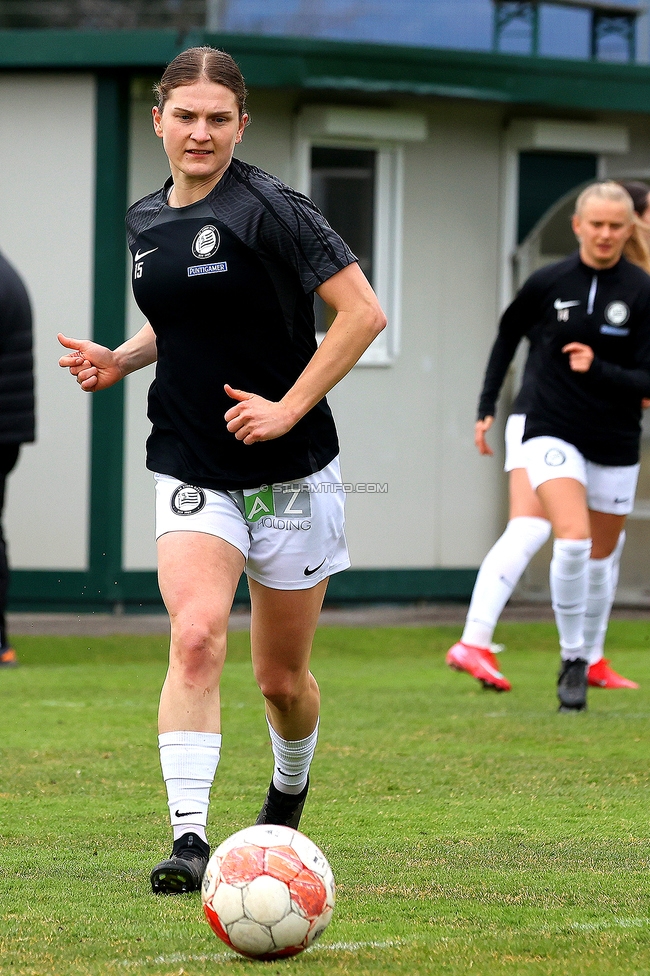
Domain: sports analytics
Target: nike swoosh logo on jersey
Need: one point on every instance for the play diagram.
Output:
(139, 256)
(558, 304)
(310, 572)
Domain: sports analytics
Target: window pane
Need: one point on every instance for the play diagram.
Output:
(343, 188)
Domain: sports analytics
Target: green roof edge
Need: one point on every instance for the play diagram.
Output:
(310, 64)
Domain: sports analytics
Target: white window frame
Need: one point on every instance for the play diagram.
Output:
(353, 128)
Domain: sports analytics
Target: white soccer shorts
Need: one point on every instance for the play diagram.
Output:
(515, 457)
(610, 489)
(291, 535)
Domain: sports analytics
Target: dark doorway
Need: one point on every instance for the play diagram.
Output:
(544, 177)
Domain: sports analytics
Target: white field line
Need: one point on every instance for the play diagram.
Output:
(611, 923)
(351, 946)
(173, 958)
(223, 957)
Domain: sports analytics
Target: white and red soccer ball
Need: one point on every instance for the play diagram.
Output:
(268, 892)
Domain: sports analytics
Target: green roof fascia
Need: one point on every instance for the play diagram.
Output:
(88, 50)
(289, 62)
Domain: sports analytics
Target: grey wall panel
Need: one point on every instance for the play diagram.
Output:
(411, 424)
(47, 145)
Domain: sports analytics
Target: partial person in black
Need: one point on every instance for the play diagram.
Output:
(17, 423)
(226, 259)
(528, 528)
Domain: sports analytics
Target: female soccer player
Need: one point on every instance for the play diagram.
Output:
(225, 262)
(581, 439)
(528, 528)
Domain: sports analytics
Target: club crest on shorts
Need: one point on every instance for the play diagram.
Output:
(187, 500)
(206, 243)
(554, 458)
(617, 313)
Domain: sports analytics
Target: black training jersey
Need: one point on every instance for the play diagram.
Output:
(598, 411)
(502, 354)
(227, 284)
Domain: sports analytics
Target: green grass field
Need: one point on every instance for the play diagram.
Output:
(469, 832)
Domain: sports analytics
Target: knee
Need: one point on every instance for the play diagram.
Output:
(198, 648)
(281, 690)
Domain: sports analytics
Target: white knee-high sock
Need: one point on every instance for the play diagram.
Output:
(499, 574)
(189, 761)
(292, 760)
(599, 602)
(569, 585)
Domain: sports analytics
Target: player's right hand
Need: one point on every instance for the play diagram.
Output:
(93, 366)
(481, 428)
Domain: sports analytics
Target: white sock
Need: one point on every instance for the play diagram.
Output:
(292, 760)
(189, 761)
(569, 586)
(599, 605)
(499, 574)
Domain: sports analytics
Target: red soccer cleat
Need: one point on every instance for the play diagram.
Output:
(8, 658)
(600, 675)
(480, 662)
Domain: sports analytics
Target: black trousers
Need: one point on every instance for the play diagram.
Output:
(8, 457)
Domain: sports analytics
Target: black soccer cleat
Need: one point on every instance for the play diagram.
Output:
(284, 809)
(184, 870)
(572, 686)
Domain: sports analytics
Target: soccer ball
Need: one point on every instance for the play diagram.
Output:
(268, 892)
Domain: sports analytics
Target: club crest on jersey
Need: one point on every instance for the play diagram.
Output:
(206, 243)
(187, 500)
(617, 313)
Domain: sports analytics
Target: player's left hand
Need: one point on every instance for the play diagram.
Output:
(256, 419)
(580, 356)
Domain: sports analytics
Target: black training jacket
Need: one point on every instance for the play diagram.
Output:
(598, 411)
(16, 360)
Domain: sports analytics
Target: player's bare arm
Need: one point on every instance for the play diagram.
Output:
(97, 367)
(359, 319)
(481, 428)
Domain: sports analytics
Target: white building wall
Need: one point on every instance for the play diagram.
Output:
(47, 163)
(409, 425)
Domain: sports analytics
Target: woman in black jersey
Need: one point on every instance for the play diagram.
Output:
(528, 528)
(591, 319)
(243, 446)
